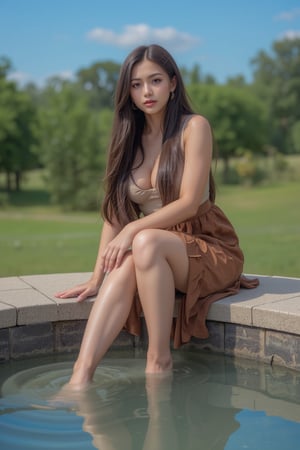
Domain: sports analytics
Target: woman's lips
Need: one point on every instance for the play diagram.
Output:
(149, 102)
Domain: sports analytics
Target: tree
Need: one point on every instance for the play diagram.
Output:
(237, 119)
(277, 82)
(295, 136)
(195, 76)
(99, 82)
(16, 137)
(7, 90)
(69, 144)
(209, 79)
(237, 81)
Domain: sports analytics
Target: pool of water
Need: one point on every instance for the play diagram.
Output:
(210, 402)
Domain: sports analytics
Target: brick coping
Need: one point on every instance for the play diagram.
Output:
(261, 323)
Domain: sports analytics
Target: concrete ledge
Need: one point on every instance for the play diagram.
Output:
(261, 323)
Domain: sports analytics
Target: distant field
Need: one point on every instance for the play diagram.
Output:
(41, 244)
(267, 220)
(36, 237)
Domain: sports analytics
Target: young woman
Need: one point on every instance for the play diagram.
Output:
(162, 231)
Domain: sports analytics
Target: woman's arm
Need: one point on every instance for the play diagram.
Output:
(91, 287)
(197, 142)
(197, 145)
(109, 232)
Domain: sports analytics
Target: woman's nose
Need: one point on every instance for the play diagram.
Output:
(147, 89)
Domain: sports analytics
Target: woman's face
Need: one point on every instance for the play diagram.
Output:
(150, 87)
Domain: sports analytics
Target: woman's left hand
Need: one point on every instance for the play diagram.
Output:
(116, 249)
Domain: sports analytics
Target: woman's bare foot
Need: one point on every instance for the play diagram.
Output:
(159, 365)
(69, 395)
(82, 376)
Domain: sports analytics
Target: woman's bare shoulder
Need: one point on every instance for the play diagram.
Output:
(198, 121)
(197, 125)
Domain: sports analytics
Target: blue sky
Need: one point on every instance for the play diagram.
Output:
(43, 38)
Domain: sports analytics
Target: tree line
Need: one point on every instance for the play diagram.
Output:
(65, 126)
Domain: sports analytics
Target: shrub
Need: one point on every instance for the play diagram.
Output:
(248, 169)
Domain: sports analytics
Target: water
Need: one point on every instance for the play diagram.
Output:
(211, 402)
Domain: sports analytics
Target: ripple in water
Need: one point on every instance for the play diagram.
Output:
(205, 401)
(36, 412)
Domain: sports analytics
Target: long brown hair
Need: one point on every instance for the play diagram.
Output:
(127, 131)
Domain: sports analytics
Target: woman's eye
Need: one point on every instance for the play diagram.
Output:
(156, 80)
(135, 85)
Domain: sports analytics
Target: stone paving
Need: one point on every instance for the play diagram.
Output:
(261, 323)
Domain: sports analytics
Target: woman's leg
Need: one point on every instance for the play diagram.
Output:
(107, 318)
(161, 265)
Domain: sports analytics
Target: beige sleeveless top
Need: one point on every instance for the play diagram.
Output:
(149, 200)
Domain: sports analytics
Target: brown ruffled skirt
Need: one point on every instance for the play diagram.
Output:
(215, 271)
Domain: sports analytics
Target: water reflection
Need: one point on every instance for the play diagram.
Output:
(210, 402)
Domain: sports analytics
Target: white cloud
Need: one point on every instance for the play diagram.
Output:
(65, 75)
(291, 35)
(134, 35)
(22, 78)
(288, 15)
(19, 77)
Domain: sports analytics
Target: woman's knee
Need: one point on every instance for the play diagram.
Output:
(145, 248)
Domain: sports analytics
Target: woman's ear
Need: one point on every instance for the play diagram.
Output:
(173, 83)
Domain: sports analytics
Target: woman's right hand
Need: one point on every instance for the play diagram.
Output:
(82, 291)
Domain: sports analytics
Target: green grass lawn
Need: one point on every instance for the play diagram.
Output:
(36, 237)
(267, 220)
(41, 244)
